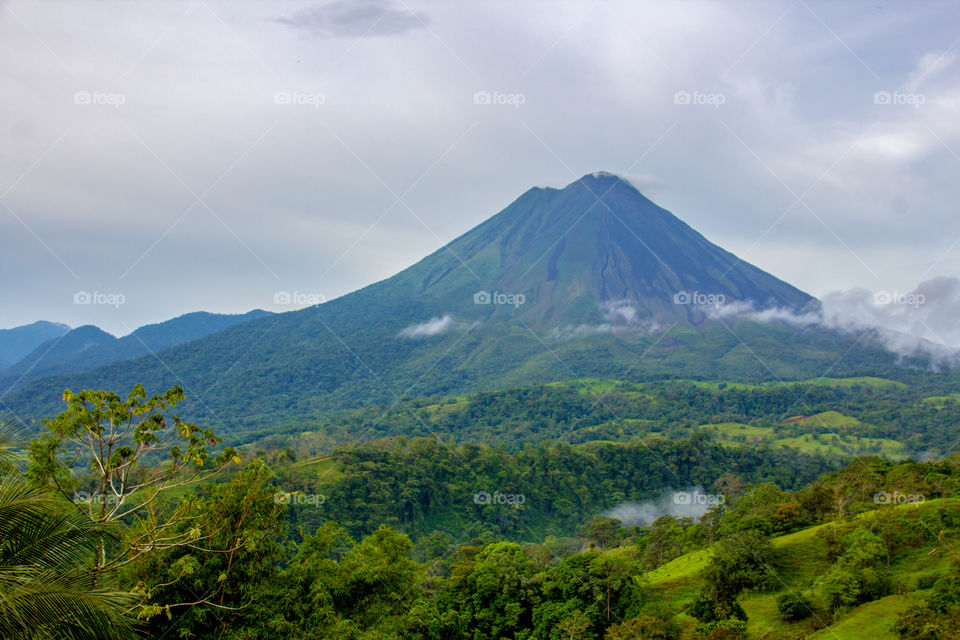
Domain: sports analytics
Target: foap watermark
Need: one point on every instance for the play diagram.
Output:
(514, 100)
(497, 297)
(883, 497)
(302, 98)
(884, 298)
(697, 498)
(899, 98)
(102, 98)
(85, 497)
(299, 498)
(298, 298)
(97, 297)
(699, 98)
(698, 299)
(497, 498)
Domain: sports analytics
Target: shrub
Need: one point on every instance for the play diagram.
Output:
(793, 607)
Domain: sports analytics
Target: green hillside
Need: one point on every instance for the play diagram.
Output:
(832, 559)
(803, 558)
(837, 418)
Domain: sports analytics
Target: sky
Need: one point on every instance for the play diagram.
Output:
(162, 158)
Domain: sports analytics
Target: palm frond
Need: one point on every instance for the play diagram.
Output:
(12, 439)
(47, 586)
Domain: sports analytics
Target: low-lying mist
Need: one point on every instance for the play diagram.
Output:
(691, 502)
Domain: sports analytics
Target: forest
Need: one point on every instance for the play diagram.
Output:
(865, 411)
(121, 520)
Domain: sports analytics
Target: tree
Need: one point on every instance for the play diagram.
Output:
(728, 629)
(754, 510)
(643, 628)
(572, 586)
(243, 528)
(729, 485)
(573, 627)
(789, 517)
(48, 590)
(139, 460)
(378, 579)
(602, 530)
(710, 607)
(615, 572)
(858, 575)
(491, 595)
(117, 438)
(945, 594)
(740, 561)
(664, 542)
(923, 623)
(298, 602)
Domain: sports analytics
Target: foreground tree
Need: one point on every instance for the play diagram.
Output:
(136, 456)
(207, 592)
(47, 587)
(141, 463)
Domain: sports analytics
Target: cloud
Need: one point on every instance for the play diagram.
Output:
(434, 327)
(570, 332)
(916, 322)
(741, 308)
(799, 116)
(619, 311)
(356, 18)
(621, 316)
(928, 67)
(644, 513)
(648, 185)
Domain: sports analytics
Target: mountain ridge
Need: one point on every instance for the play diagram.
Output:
(17, 342)
(88, 346)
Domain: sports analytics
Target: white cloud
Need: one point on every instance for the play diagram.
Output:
(433, 327)
(746, 308)
(918, 321)
(619, 311)
(911, 321)
(620, 317)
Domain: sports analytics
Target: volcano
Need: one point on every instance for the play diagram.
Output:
(596, 245)
(592, 280)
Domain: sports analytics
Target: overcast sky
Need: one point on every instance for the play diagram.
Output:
(202, 155)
